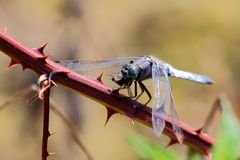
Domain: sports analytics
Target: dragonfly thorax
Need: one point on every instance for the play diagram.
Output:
(130, 71)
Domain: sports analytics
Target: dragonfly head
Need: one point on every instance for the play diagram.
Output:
(130, 71)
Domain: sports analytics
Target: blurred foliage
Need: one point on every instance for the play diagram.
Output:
(226, 148)
(149, 150)
(228, 144)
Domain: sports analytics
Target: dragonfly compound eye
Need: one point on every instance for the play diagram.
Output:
(129, 71)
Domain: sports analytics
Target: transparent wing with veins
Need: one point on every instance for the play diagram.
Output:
(81, 66)
(159, 100)
(162, 100)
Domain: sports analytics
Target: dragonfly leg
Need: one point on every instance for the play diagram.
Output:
(129, 92)
(143, 88)
(135, 90)
(127, 86)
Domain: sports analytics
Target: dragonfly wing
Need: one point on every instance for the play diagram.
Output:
(164, 98)
(93, 65)
(172, 72)
(159, 100)
(175, 122)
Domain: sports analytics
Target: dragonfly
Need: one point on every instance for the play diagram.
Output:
(134, 70)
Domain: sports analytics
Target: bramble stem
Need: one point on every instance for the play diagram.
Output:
(46, 132)
(97, 91)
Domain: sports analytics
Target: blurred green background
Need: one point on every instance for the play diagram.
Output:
(198, 36)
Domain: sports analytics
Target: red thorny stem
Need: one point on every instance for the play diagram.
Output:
(46, 132)
(95, 90)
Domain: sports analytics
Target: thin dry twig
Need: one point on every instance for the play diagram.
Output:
(72, 128)
(18, 95)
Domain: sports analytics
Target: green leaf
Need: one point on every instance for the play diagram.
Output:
(228, 141)
(149, 150)
(195, 155)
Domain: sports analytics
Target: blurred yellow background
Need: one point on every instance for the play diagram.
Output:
(198, 36)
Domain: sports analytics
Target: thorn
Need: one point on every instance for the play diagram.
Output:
(199, 131)
(12, 63)
(41, 48)
(110, 113)
(99, 78)
(51, 133)
(172, 142)
(51, 153)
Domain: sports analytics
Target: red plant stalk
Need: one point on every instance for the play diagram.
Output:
(94, 89)
(46, 133)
